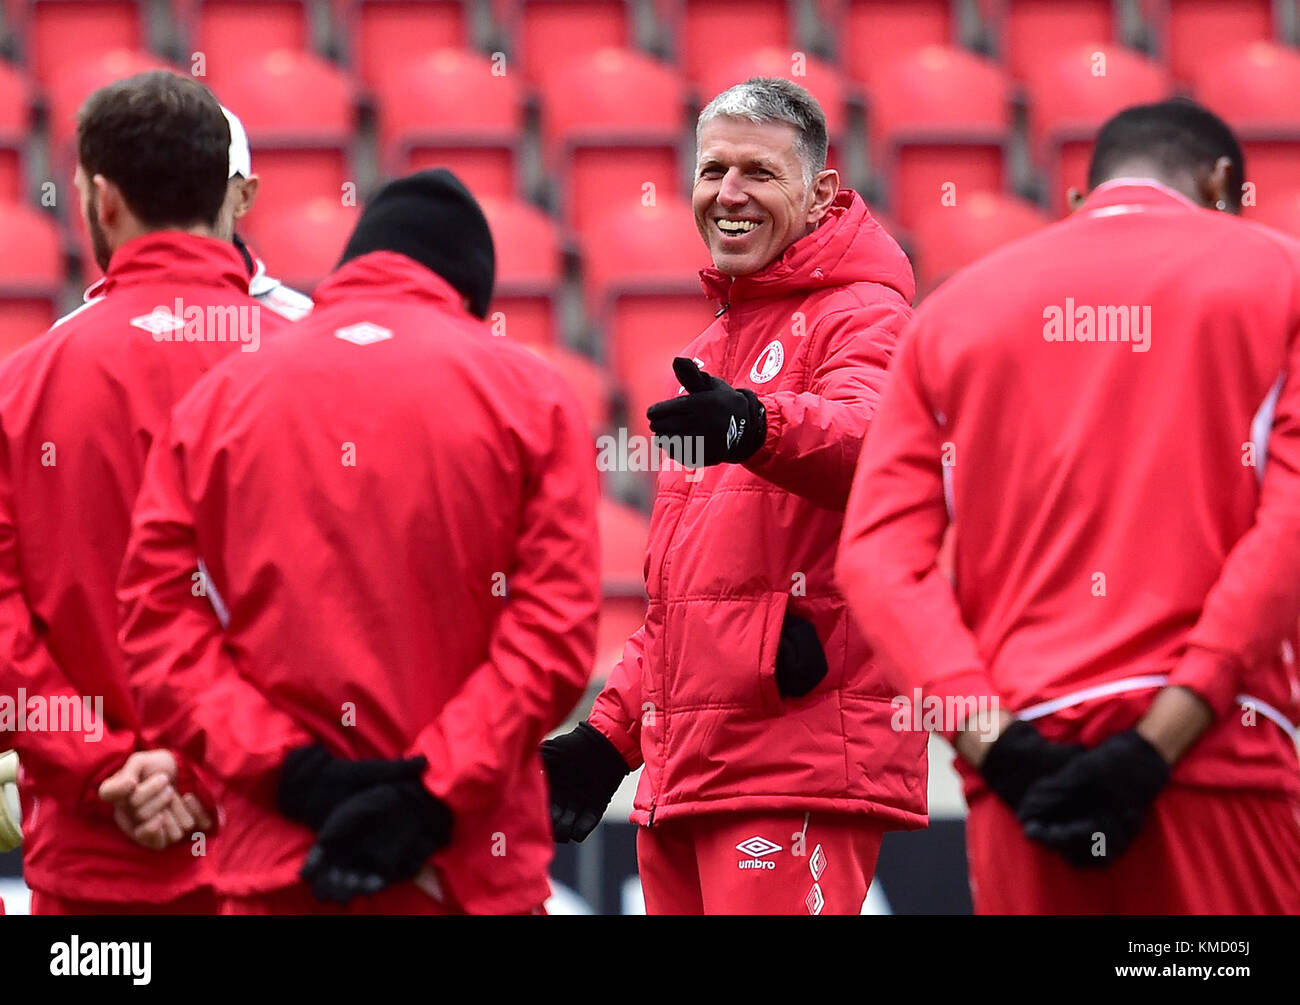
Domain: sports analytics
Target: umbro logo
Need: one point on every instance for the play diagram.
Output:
(159, 322)
(363, 333)
(757, 848)
(734, 432)
(817, 863)
(815, 900)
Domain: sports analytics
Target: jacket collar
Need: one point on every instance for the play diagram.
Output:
(388, 275)
(170, 257)
(1134, 195)
(848, 246)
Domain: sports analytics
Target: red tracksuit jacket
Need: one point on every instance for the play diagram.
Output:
(79, 408)
(1112, 531)
(733, 547)
(397, 515)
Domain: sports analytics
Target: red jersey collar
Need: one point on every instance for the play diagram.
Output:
(1134, 195)
(174, 257)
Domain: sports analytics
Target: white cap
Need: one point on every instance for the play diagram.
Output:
(241, 159)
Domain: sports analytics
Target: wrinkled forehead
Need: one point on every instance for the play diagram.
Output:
(734, 141)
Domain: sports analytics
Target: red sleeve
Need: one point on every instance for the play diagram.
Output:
(1255, 602)
(814, 437)
(188, 688)
(887, 567)
(617, 710)
(543, 645)
(61, 763)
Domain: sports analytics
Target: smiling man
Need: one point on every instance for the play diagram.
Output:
(771, 768)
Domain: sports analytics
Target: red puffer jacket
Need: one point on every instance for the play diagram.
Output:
(734, 547)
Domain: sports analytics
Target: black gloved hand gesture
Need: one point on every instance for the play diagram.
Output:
(1091, 810)
(378, 837)
(313, 782)
(730, 424)
(583, 770)
(1021, 756)
(800, 658)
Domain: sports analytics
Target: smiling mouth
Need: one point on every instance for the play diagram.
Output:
(737, 228)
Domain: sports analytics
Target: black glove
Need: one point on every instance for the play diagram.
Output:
(583, 770)
(1019, 757)
(1106, 791)
(800, 658)
(378, 837)
(731, 424)
(313, 782)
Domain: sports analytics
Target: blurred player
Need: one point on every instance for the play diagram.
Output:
(79, 408)
(1110, 409)
(771, 768)
(396, 515)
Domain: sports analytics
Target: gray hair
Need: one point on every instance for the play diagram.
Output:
(774, 99)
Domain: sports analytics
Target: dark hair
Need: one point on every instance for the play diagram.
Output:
(1178, 136)
(162, 139)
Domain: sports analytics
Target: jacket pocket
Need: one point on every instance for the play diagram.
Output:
(774, 618)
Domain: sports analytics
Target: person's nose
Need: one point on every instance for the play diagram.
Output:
(731, 193)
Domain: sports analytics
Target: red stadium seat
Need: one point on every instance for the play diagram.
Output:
(73, 84)
(939, 123)
(64, 33)
(302, 243)
(824, 82)
(31, 275)
(15, 124)
(1072, 95)
(1281, 211)
(872, 32)
(1194, 33)
(1031, 30)
(620, 618)
(388, 35)
(704, 26)
(528, 251)
(603, 159)
(588, 381)
(233, 30)
(1254, 87)
(624, 532)
(449, 109)
(646, 290)
(951, 237)
(548, 32)
(299, 112)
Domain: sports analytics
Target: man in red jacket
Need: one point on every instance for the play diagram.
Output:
(1110, 411)
(771, 770)
(395, 516)
(78, 409)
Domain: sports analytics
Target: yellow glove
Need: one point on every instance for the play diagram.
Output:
(11, 812)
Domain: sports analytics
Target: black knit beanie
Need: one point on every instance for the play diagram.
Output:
(431, 217)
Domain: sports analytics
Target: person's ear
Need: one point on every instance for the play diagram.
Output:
(109, 204)
(1074, 198)
(1217, 187)
(825, 187)
(248, 190)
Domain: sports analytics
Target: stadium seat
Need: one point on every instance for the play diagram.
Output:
(73, 84)
(449, 109)
(620, 618)
(871, 32)
(299, 112)
(15, 125)
(588, 381)
(825, 83)
(548, 32)
(1072, 95)
(31, 274)
(233, 30)
(641, 266)
(65, 33)
(1254, 87)
(1031, 30)
(700, 27)
(1194, 33)
(624, 531)
(388, 35)
(1281, 211)
(529, 271)
(938, 117)
(301, 243)
(604, 156)
(951, 237)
